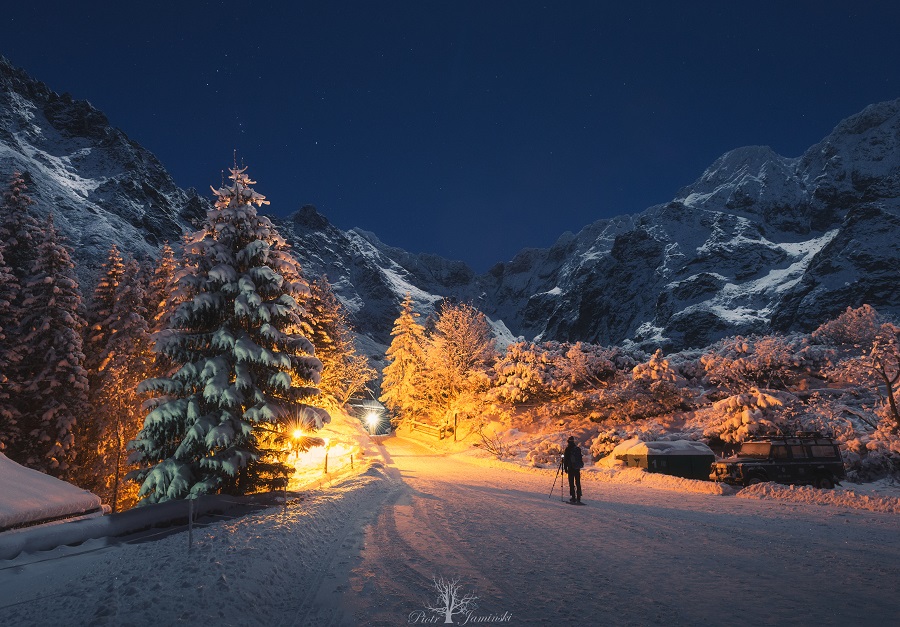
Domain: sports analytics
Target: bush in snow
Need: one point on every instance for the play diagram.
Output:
(459, 353)
(855, 328)
(545, 452)
(769, 361)
(551, 378)
(755, 412)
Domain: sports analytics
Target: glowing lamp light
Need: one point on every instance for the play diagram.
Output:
(372, 419)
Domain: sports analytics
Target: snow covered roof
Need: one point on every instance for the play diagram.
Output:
(674, 447)
(30, 497)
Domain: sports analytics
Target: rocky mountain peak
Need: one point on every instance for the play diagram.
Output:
(758, 242)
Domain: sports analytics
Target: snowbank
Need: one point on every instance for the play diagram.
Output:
(675, 447)
(29, 497)
(808, 494)
(262, 569)
(635, 446)
(635, 476)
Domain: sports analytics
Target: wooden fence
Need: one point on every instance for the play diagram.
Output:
(438, 432)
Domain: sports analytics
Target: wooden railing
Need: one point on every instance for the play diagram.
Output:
(438, 432)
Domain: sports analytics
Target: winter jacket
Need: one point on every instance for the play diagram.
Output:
(572, 458)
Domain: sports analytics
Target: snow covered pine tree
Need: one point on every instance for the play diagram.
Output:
(345, 373)
(53, 392)
(216, 422)
(119, 358)
(401, 389)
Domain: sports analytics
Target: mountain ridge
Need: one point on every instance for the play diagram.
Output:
(757, 243)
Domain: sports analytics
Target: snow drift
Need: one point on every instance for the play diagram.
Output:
(29, 497)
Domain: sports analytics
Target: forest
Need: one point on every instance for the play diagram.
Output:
(195, 372)
(841, 379)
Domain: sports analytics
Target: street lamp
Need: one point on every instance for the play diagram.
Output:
(296, 435)
(372, 419)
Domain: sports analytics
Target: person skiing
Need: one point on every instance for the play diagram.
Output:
(572, 465)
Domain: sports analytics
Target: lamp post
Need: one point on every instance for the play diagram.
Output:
(372, 419)
(296, 434)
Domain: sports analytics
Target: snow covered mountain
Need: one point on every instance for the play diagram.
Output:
(102, 187)
(759, 242)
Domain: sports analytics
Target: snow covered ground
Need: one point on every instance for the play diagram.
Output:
(366, 551)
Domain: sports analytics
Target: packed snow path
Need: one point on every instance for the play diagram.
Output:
(365, 552)
(631, 556)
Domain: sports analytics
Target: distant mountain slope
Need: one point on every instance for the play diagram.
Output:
(101, 186)
(759, 242)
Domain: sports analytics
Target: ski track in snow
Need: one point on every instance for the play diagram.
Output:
(364, 552)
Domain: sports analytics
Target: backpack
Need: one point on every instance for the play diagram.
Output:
(575, 459)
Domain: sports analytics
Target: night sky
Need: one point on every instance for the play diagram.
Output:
(465, 129)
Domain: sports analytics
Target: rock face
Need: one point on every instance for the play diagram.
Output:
(102, 187)
(759, 242)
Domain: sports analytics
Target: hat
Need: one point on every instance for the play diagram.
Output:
(571, 438)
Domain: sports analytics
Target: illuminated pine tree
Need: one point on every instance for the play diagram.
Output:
(100, 311)
(243, 369)
(160, 288)
(51, 373)
(401, 388)
(345, 373)
(122, 358)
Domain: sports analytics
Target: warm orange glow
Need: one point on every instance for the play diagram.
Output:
(297, 434)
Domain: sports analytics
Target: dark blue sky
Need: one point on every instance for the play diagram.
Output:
(466, 129)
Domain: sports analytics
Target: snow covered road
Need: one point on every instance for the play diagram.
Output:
(631, 556)
(366, 552)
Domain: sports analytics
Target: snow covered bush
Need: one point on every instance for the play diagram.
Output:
(604, 443)
(494, 442)
(545, 452)
(769, 361)
(751, 413)
(551, 379)
(855, 328)
(524, 373)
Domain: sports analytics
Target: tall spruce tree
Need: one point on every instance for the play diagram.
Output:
(10, 354)
(244, 369)
(19, 236)
(345, 373)
(20, 230)
(402, 384)
(160, 288)
(100, 311)
(120, 359)
(51, 375)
